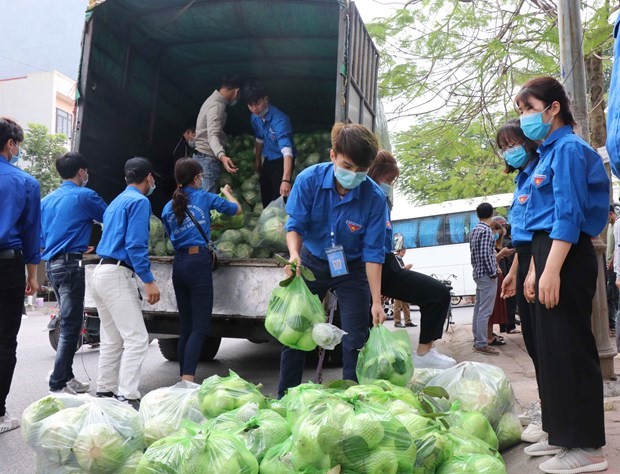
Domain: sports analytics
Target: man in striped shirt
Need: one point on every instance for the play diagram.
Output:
(482, 247)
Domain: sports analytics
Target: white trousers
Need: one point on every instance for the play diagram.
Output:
(124, 339)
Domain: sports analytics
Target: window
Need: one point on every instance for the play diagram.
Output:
(64, 122)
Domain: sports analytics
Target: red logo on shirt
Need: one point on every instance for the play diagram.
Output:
(353, 227)
(539, 179)
(388, 224)
(523, 198)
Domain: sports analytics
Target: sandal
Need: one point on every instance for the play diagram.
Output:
(497, 336)
(514, 331)
(486, 350)
(497, 342)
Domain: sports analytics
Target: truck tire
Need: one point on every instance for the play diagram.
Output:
(54, 336)
(170, 349)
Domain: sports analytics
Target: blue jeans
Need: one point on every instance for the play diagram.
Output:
(486, 289)
(211, 168)
(353, 303)
(193, 287)
(67, 280)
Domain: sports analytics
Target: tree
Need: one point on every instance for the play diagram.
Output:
(41, 150)
(457, 65)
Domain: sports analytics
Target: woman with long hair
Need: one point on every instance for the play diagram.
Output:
(568, 205)
(520, 154)
(432, 296)
(191, 269)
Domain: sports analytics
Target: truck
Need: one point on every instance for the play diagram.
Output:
(148, 65)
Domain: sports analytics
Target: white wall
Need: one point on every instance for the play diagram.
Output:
(34, 98)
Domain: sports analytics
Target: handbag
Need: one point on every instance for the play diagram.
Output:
(210, 246)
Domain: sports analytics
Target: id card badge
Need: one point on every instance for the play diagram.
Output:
(336, 260)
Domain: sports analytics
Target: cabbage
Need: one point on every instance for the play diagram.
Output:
(35, 413)
(243, 251)
(100, 449)
(508, 431)
(218, 395)
(475, 423)
(476, 463)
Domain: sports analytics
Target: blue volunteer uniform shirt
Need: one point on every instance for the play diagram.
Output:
(522, 194)
(126, 232)
(613, 107)
(67, 215)
(570, 189)
(275, 132)
(20, 218)
(358, 220)
(199, 204)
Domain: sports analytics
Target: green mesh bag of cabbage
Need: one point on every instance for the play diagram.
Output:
(296, 318)
(386, 356)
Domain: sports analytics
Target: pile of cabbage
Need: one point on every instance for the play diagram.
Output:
(227, 425)
(159, 243)
(258, 232)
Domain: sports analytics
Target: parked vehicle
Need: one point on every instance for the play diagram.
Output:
(146, 69)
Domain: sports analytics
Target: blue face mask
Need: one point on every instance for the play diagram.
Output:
(349, 179)
(386, 188)
(495, 236)
(533, 126)
(516, 156)
(16, 158)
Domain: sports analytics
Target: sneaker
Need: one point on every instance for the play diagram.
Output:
(399, 325)
(486, 350)
(8, 423)
(534, 431)
(526, 417)
(66, 390)
(79, 387)
(542, 448)
(432, 360)
(411, 325)
(574, 461)
(133, 402)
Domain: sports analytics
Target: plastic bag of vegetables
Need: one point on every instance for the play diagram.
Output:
(479, 387)
(221, 221)
(478, 463)
(218, 395)
(163, 410)
(296, 317)
(385, 356)
(98, 436)
(270, 229)
(159, 244)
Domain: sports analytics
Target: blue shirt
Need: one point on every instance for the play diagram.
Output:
(67, 215)
(20, 217)
(199, 204)
(522, 194)
(126, 232)
(358, 219)
(613, 107)
(275, 131)
(570, 191)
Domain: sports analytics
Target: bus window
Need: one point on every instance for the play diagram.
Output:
(409, 229)
(430, 230)
(473, 222)
(457, 228)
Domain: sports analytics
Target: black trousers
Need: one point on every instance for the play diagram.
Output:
(571, 385)
(12, 287)
(526, 310)
(432, 296)
(270, 180)
(613, 294)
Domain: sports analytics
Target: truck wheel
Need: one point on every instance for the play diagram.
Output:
(210, 348)
(170, 349)
(54, 336)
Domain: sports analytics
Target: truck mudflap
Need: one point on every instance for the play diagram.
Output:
(241, 288)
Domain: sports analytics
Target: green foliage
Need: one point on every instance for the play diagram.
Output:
(41, 150)
(453, 68)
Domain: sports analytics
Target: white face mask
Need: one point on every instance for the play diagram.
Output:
(152, 188)
(85, 180)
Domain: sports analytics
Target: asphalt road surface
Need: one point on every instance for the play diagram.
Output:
(257, 363)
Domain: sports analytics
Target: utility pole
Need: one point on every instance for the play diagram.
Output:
(573, 76)
(572, 64)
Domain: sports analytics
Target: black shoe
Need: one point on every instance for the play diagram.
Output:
(105, 395)
(411, 325)
(399, 325)
(133, 402)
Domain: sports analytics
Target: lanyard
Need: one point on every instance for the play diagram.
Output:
(331, 217)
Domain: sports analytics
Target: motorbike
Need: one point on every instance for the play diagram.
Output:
(89, 334)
